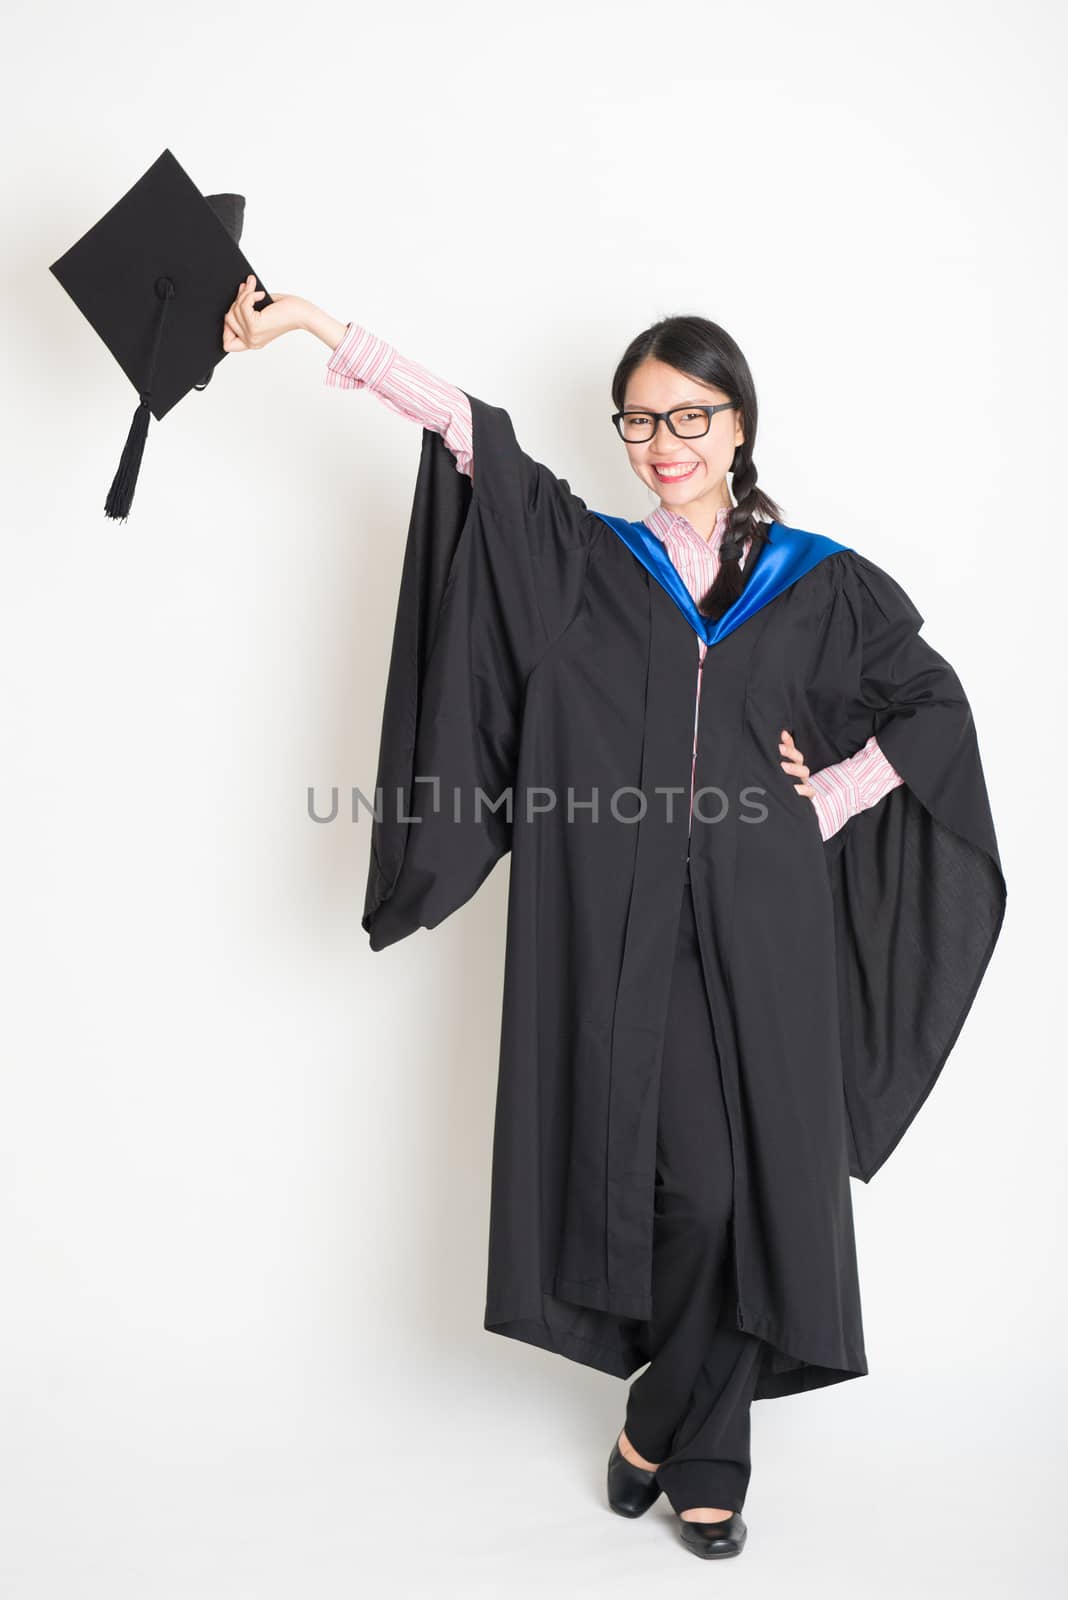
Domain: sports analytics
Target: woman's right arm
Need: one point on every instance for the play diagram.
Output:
(357, 361)
(360, 360)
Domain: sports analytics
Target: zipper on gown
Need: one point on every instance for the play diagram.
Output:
(702, 655)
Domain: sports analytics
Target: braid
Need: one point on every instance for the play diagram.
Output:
(743, 524)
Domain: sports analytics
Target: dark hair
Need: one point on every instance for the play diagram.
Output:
(705, 351)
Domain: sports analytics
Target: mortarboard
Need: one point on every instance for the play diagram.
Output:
(155, 277)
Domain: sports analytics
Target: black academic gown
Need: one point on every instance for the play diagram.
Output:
(534, 653)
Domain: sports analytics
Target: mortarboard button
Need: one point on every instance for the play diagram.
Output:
(155, 277)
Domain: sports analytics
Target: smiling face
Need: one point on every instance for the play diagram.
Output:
(699, 494)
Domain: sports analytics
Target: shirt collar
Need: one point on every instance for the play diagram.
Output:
(663, 522)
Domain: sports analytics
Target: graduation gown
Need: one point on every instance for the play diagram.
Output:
(543, 658)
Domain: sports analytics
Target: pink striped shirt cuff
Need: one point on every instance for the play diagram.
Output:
(363, 361)
(851, 786)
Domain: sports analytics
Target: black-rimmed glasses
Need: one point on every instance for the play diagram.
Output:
(685, 422)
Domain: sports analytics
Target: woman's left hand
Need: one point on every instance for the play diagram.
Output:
(795, 763)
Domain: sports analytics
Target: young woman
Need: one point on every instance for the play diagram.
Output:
(714, 1013)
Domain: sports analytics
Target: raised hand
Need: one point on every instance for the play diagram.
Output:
(248, 327)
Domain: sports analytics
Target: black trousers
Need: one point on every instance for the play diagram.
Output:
(689, 1408)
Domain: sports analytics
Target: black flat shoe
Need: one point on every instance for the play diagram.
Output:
(631, 1490)
(710, 1539)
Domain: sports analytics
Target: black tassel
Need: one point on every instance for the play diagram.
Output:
(120, 495)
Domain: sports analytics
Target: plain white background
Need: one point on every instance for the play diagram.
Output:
(244, 1162)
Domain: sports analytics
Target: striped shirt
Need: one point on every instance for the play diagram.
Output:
(361, 361)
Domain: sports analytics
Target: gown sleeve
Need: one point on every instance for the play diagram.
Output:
(917, 884)
(493, 572)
